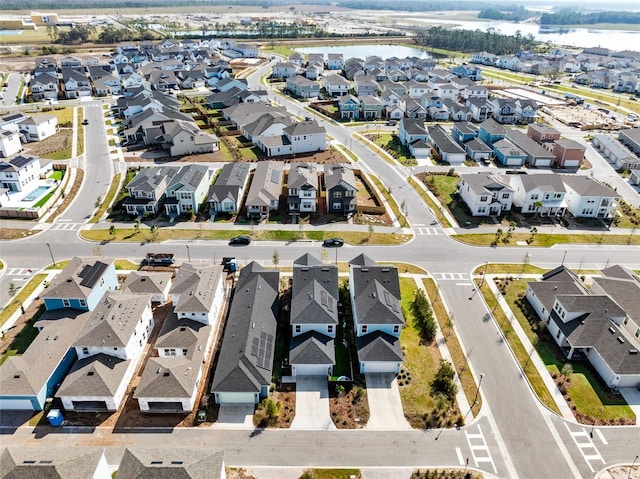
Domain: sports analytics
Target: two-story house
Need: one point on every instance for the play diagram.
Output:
(486, 194)
(481, 108)
(588, 198)
(568, 153)
(542, 133)
(39, 127)
(505, 110)
(542, 194)
(76, 84)
(305, 137)
(147, 190)
(266, 187)
(411, 130)
(314, 317)
(44, 86)
(284, 70)
(20, 173)
(444, 146)
(303, 188)
(227, 192)
(302, 87)
(187, 190)
(342, 189)
(377, 315)
(490, 131)
(365, 85)
(371, 107)
(9, 143)
(349, 107)
(536, 155)
(81, 284)
(156, 284)
(335, 85)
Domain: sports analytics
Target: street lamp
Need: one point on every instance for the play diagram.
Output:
(50, 253)
(188, 253)
(475, 399)
(564, 256)
(631, 467)
(484, 273)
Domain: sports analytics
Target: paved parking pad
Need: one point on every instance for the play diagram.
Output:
(235, 416)
(385, 406)
(312, 404)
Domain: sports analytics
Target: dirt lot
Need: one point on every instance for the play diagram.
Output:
(349, 410)
(57, 142)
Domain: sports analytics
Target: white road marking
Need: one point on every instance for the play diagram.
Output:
(464, 284)
(451, 276)
(18, 271)
(601, 437)
(476, 449)
(460, 457)
(428, 231)
(66, 226)
(578, 439)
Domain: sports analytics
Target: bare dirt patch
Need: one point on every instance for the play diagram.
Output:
(349, 408)
(286, 401)
(13, 233)
(57, 142)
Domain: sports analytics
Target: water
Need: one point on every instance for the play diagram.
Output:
(36, 193)
(576, 37)
(364, 51)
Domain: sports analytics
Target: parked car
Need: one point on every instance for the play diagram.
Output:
(333, 242)
(240, 240)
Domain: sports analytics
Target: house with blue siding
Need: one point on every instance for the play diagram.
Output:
(464, 131)
(491, 131)
(27, 380)
(377, 315)
(81, 284)
(508, 154)
(349, 107)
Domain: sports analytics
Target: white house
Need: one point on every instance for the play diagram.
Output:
(303, 188)
(19, 173)
(336, 85)
(588, 198)
(154, 283)
(284, 70)
(486, 194)
(9, 143)
(306, 136)
(39, 127)
(542, 194)
(188, 189)
(265, 189)
(197, 293)
(227, 192)
(108, 348)
(411, 130)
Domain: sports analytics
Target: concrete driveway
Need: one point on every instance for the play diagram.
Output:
(385, 406)
(235, 416)
(312, 404)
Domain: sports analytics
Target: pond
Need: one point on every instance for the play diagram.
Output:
(364, 51)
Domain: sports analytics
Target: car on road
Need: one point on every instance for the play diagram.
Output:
(333, 242)
(240, 240)
(85, 122)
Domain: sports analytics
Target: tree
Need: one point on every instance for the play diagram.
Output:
(154, 232)
(112, 230)
(370, 229)
(443, 381)
(272, 409)
(423, 319)
(136, 226)
(276, 257)
(12, 289)
(98, 201)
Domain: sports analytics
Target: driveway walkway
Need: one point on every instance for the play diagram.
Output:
(385, 406)
(235, 416)
(312, 404)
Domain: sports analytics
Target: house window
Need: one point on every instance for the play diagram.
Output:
(83, 302)
(557, 195)
(184, 352)
(396, 328)
(337, 206)
(330, 328)
(169, 352)
(298, 328)
(482, 209)
(483, 199)
(337, 194)
(66, 303)
(364, 329)
(85, 350)
(350, 193)
(558, 335)
(505, 195)
(547, 196)
(534, 197)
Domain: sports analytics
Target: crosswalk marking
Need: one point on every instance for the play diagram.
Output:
(451, 276)
(460, 457)
(582, 439)
(428, 231)
(478, 448)
(19, 271)
(66, 226)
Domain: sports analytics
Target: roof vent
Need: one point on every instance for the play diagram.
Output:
(166, 374)
(633, 351)
(183, 328)
(620, 339)
(143, 279)
(90, 373)
(612, 330)
(16, 376)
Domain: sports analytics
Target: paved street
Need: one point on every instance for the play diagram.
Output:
(513, 437)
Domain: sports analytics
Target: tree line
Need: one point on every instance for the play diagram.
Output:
(408, 5)
(571, 17)
(468, 41)
(511, 13)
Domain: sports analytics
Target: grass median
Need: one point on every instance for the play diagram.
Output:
(547, 239)
(108, 199)
(21, 297)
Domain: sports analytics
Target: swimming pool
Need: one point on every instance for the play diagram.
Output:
(36, 193)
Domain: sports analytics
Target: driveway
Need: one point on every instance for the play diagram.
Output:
(385, 406)
(312, 404)
(235, 416)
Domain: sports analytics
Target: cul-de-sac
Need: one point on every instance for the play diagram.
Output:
(319, 240)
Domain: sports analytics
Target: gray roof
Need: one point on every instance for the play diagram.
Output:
(466, 127)
(189, 176)
(171, 463)
(335, 173)
(18, 377)
(303, 175)
(379, 346)
(543, 181)
(314, 295)
(312, 347)
(196, 286)
(531, 148)
(306, 259)
(113, 321)
(624, 291)
(150, 179)
(588, 186)
(570, 144)
(267, 183)
(475, 144)
(45, 462)
(442, 140)
(245, 113)
(546, 291)
(481, 183)
(78, 278)
(175, 376)
(376, 292)
(492, 127)
(231, 179)
(413, 126)
(146, 282)
(307, 127)
(263, 122)
(99, 375)
(245, 360)
(508, 149)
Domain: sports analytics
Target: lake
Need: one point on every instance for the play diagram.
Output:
(364, 51)
(576, 37)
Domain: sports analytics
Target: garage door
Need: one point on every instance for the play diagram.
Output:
(310, 370)
(235, 398)
(16, 405)
(89, 405)
(165, 406)
(380, 367)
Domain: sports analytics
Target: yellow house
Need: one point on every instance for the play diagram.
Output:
(16, 24)
(44, 19)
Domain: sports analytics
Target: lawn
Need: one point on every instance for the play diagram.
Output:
(13, 233)
(45, 198)
(64, 115)
(390, 201)
(509, 268)
(80, 133)
(108, 199)
(545, 239)
(444, 187)
(331, 474)
(279, 50)
(390, 143)
(435, 208)
(21, 297)
(125, 264)
(59, 264)
(56, 175)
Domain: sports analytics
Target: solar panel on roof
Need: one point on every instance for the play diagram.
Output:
(323, 298)
(330, 304)
(254, 350)
(92, 276)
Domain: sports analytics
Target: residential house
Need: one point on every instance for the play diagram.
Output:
(171, 463)
(314, 317)
(187, 190)
(631, 139)
(444, 146)
(393, 112)
(365, 85)
(464, 131)
(542, 194)
(227, 192)
(471, 72)
(152, 283)
(349, 107)
(108, 348)
(568, 153)
(81, 284)
(284, 70)
(536, 155)
(457, 111)
(411, 130)
(39, 127)
(164, 80)
(76, 84)
(341, 186)
(490, 131)
(335, 85)
(615, 153)
(197, 293)
(185, 138)
(296, 58)
(412, 108)
(542, 133)
(107, 85)
(44, 86)
(377, 315)
(306, 136)
(371, 107)
(9, 144)
(266, 187)
(601, 325)
(245, 361)
(525, 111)
(147, 190)
(508, 154)
(313, 71)
(70, 61)
(302, 87)
(247, 51)
(54, 462)
(416, 89)
(486, 194)
(481, 108)
(302, 188)
(505, 110)
(335, 61)
(588, 198)
(478, 150)
(20, 173)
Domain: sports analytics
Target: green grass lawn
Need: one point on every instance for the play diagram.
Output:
(390, 143)
(45, 198)
(125, 264)
(56, 175)
(390, 201)
(59, 264)
(64, 115)
(509, 268)
(108, 199)
(278, 49)
(331, 474)
(442, 219)
(21, 297)
(444, 187)
(545, 239)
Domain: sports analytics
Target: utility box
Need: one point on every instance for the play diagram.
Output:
(55, 417)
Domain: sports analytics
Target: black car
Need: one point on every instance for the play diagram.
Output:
(240, 240)
(333, 242)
